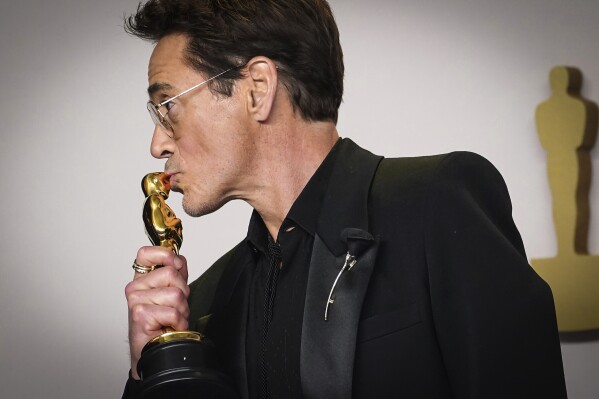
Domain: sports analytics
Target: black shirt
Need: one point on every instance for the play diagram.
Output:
(279, 353)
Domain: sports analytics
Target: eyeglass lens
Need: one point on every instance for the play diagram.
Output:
(158, 119)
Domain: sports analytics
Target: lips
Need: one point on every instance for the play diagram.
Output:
(171, 176)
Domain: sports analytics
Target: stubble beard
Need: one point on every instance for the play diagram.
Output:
(198, 209)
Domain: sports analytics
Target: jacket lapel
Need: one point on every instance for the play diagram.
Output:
(328, 346)
(228, 321)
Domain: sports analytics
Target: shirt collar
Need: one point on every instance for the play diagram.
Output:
(306, 208)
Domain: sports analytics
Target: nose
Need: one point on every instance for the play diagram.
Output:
(161, 146)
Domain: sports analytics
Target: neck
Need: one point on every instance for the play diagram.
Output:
(290, 158)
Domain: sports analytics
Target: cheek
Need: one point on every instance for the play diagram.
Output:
(213, 138)
(189, 147)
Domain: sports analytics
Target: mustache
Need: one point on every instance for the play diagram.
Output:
(170, 166)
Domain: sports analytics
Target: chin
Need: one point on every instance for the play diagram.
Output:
(196, 207)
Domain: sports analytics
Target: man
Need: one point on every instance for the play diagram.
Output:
(360, 276)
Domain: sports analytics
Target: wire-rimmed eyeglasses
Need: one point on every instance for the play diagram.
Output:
(159, 118)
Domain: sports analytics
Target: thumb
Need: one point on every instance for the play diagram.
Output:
(180, 264)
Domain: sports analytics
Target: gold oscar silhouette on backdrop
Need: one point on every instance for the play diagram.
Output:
(567, 128)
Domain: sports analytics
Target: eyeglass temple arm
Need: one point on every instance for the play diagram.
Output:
(194, 87)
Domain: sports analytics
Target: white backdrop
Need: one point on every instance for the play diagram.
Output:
(422, 77)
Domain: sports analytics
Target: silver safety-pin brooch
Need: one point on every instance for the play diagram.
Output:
(357, 241)
(350, 261)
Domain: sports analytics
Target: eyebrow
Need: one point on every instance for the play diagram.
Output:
(158, 86)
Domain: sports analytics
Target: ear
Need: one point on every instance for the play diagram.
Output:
(262, 79)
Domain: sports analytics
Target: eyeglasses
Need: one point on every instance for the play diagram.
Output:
(159, 118)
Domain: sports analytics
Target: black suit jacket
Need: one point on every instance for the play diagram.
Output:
(440, 304)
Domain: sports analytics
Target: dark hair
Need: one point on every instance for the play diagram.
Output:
(300, 36)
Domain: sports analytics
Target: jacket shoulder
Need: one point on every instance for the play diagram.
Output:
(415, 191)
(416, 175)
(428, 165)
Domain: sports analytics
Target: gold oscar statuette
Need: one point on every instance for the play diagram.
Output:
(163, 229)
(175, 364)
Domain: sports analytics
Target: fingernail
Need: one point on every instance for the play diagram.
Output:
(178, 263)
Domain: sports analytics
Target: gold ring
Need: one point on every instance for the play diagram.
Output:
(141, 269)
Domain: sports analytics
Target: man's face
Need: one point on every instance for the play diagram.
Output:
(211, 146)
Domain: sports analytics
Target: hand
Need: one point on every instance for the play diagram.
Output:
(157, 299)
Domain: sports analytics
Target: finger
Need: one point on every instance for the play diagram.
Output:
(168, 296)
(149, 320)
(166, 276)
(155, 255)
(180, 263)
(160, 256)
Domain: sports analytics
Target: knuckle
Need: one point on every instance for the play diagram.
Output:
(170, 273)
(138, 313)
(133, 297)
(141, 253)
(177, 295)
(173, 314)
(170, 257)
(130, 288)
